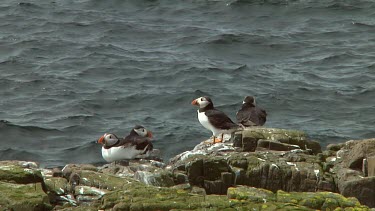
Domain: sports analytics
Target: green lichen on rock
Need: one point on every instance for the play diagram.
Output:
(274, 134)
(158, 177)
(17, 174)
(23, 197)
(320, 200)
(101, 180)
(56, 185)
(137, 196)
(213, 167)
(251, 193)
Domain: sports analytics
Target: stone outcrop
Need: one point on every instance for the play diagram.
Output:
(21, 187)
(278, 160)
(258, 169)
(350, 165)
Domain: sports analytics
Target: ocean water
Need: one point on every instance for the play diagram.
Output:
(73, 70)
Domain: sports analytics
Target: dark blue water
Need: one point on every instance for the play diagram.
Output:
(73, 70)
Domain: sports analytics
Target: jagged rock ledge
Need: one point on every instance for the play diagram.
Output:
(259, 169)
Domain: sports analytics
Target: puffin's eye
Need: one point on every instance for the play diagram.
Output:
(110, 136)
(202, 99)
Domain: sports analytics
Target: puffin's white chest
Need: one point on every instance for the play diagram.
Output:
(120, 153)
(203, 119)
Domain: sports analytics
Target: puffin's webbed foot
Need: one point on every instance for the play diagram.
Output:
(217, 140)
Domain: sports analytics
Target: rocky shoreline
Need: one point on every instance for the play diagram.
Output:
(258, 169)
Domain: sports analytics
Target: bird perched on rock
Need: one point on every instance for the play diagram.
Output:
(136, 145)
(212, 119)
(250, 114)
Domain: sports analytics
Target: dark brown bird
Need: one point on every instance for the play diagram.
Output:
(250, 114)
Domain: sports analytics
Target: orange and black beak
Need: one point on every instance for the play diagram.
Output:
(101, 140)
(195, 102)
(149, 134)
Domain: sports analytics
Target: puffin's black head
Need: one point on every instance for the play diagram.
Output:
(141, 131)
(202, 102)
(249, 100)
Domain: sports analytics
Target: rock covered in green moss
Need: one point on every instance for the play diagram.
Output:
(272, 170)
(319, 200)
(136, 196)
(160, 178)
(251, 194)
(275, 139)
(56, 186)
(23, 197)
(20, 172)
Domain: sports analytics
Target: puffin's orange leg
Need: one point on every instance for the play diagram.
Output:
(217, 140)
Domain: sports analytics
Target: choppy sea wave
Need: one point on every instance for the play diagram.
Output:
(73, 70)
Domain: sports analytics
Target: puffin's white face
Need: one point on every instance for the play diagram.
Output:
(201, 102)
(108, 139)
(143, 132)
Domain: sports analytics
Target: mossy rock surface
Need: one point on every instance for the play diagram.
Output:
(101, 180)
(159, 178)
(274, 134)
(17, 174)
(251, 193)
(23, 197)
(137, 196)
(320, 200)
(56, 185)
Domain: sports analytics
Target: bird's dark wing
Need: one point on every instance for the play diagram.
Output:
(219, 119)
(253, 116)
(123, 142)
(242, 115)
(142, 143)
(262, 116)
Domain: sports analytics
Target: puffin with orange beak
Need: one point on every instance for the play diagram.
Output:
(214, 120)
(136, 145)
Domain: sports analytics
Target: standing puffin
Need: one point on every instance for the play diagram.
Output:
(136, 145)
(212, 119)
(250, 114)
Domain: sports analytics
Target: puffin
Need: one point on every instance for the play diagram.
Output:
(250, 114)
(214, 120)
(135, 145)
